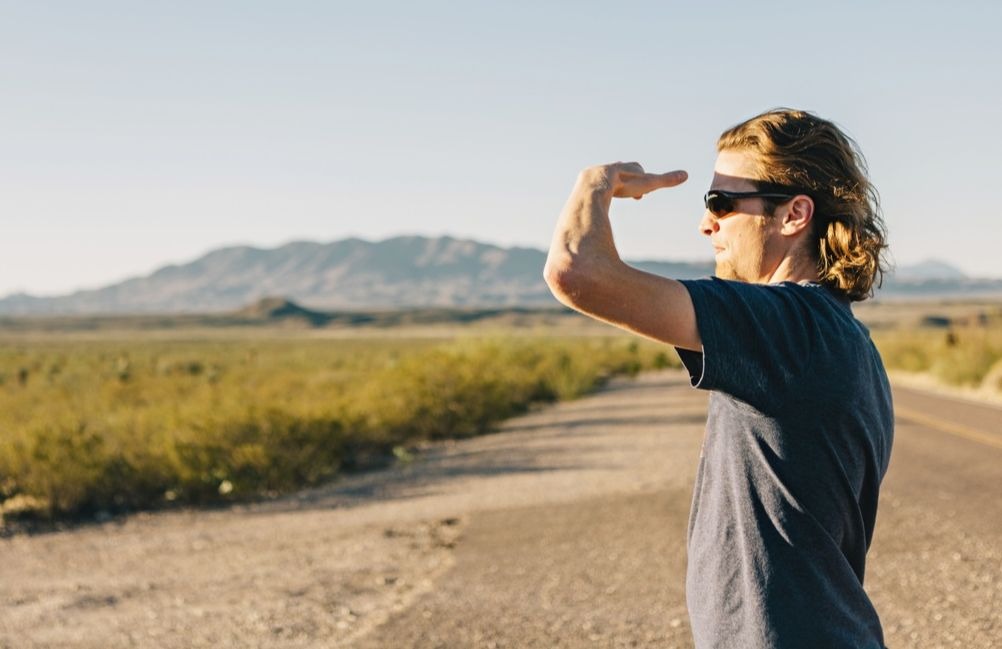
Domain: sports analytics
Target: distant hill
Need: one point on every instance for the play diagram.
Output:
(934, 278)
(278, 309)
(401, 272)
(930, 269)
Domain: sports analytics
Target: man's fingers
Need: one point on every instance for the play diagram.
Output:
(635, 185)
(629, 180)
(673, 178)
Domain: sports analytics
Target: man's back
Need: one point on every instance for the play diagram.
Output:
(798, 439)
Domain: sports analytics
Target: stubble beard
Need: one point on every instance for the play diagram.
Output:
(725, 270)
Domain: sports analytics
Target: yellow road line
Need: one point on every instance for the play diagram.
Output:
(945, 426)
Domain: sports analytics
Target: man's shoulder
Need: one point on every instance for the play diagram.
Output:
(809, 292)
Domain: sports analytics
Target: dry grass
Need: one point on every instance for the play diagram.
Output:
(961, 357)
(112, 425)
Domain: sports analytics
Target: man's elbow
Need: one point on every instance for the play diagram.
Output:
(562, 280)
(579, 286)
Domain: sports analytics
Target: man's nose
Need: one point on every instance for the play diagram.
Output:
(708, 224)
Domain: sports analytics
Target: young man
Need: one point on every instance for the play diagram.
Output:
(800, 420)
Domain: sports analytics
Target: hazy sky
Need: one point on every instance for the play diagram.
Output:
(135, 134)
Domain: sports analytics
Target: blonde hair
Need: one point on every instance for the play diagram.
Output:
(795, 149)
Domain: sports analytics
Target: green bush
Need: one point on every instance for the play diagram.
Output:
(122, 426)
(962, 356)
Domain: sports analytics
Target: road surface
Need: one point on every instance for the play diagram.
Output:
(564, 529)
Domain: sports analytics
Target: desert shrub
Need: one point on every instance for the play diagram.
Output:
(960, 356)
(130, 425)
(909, 351)
(964, 365)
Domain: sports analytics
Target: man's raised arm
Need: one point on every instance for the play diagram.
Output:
(584, 271)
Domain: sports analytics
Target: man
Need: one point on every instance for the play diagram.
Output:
(800, 420)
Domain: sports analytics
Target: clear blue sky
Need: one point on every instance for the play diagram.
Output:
(138, 134)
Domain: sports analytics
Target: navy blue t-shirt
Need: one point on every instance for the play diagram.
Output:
(798, 438)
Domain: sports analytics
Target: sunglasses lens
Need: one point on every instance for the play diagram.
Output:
(719, 205)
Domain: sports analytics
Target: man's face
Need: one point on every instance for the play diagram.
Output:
(747, 243)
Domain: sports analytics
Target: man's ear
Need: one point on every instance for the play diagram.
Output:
(798, 215)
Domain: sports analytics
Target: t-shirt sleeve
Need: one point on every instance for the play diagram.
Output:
(756, 340)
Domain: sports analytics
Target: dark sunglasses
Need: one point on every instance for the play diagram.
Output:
(721, 203)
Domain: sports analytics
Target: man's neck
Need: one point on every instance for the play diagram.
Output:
(793, 269)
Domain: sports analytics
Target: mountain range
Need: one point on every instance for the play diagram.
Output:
(400, 272)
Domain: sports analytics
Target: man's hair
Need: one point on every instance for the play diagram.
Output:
(795, 149)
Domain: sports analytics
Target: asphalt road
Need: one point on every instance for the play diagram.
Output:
(608, 572)
(565, 529)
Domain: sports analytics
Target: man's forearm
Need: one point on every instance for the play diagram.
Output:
(582, 241)
(584, 271)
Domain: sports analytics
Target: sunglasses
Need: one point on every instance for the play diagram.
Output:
(721, 203)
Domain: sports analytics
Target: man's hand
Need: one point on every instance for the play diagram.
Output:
(628, 180)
